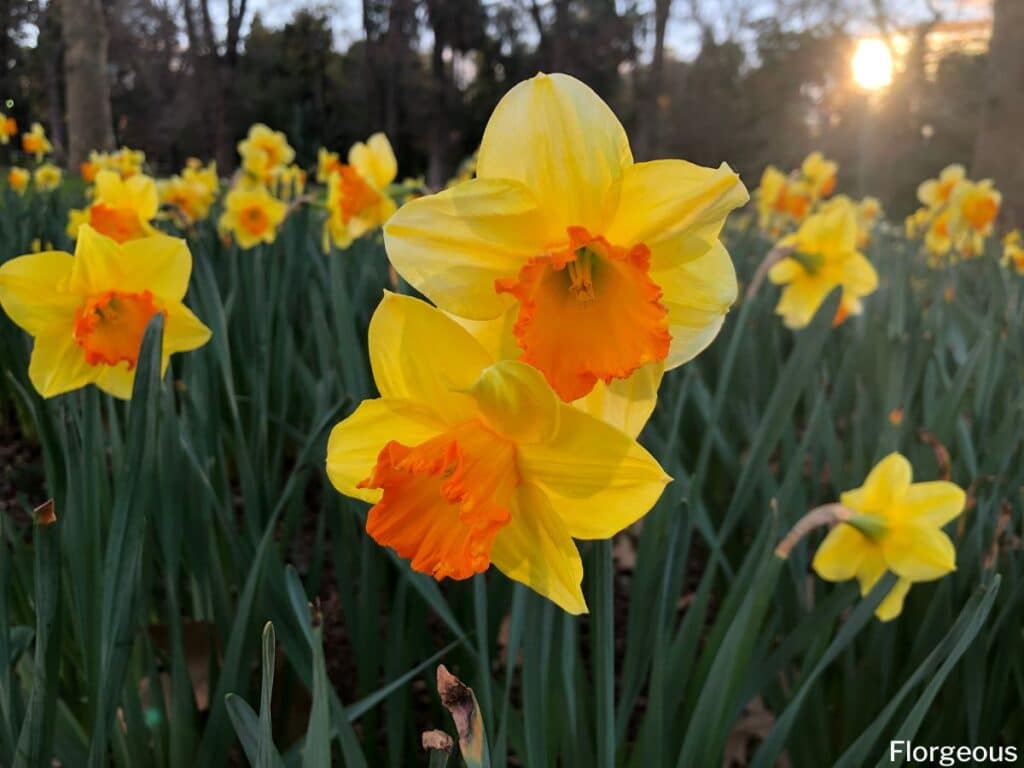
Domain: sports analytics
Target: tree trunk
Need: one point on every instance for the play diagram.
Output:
(998, 142)
(654, 87)
(87, 93)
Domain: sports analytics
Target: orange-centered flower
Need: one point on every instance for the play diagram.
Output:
(607, 267)
(122, 208)
(252, 215)
(357, 197)
(88, 313)
(470, 462)
(595, 290)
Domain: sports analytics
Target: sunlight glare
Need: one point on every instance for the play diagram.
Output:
(872, 65)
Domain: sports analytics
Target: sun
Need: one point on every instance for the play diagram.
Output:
(872, 64)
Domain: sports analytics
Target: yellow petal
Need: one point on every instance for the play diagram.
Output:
(871, 569)
(354, 443)
(627, 403)
(663, 198)
(918, 552)
(375, 160)
(496, 336)
(859, 275)
(452, 246)
(840, 555)
(884, 486)
(117, 380)
(160, 264)
(143, 195)
(556, 136)
(800, 301)
(514, 400)
(598, 479)
(183, 330)
(30, 294)
(535, 548)
(892, 605)
(417, 353)
(933, 504)
(697, 294)
(785, 271)
(58, 364)
(109, 188)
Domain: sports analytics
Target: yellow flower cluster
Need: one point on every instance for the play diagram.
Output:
(191, 193)
(8, 128)
(125, 162)
(1013, 251)
(956, 217)
(785, 200)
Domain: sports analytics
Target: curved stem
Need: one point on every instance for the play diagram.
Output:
(827, 514)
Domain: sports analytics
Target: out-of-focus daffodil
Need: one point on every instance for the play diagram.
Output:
(974, 207)
(821, 256)
(188, 194)
(8, 128)
(121, 209)
(47, 177)
(357, 193)
(327, 163)
(290, 183)
(935, 193)
(252, 216)
(35, 142)
(88, 312)
(896, 526)
(820, 174)
(470, 462)
(1013, 251)
(18, 179)
(595, 269)
(264, 152)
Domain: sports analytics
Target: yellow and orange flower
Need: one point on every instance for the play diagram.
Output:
(251, 216)
(595, 268)
(264, 152)
(8, 128)
(88, 312)
(935, 193)
(357, 192)
(18, 179)
(122, 209)
(35, 142)
(47, 177)
(1013, 251)
(974, 207)
(821, 256)
(896, 526)
(820, 174)
(470, 461)
(190, 196)
(327, 163)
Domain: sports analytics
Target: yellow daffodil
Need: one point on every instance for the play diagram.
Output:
(821, 256)
(771, 197)
(122, 208)
(35, 142)
(470, 462)
(820, 174)
(596, 268)
(88, 312)
(938, 238)
(357, 193)
(129, 162)
(326, 164)
(935, 193)
(290, 183)
(18, 179)
(8, 128)
(48, 177)
(252, 216)
(917, 223)
(896, 526)
(264, 152)
(974, 207)
(206, 175)
(1013, 251)
(189, 196)
(88, 170)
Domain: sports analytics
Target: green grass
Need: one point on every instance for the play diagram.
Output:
(199, 515)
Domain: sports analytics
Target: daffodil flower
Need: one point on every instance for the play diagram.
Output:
(34, 142)
(821, 174)
(122, 209)
(88, 312)
(18, 179)
(935, 193)
(974, 207)
(264, 152)
(597, 266)
(1013, 251)
(8, 128)
(469, 461)
(47, 177)
(821, 256)
(251, 215)
(357, 192)
(896, 526)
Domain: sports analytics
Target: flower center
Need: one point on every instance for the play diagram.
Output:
(589, 312)
(254, 220)
(444, 500)
(109, 326)
(354, 194)
(120, 224)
